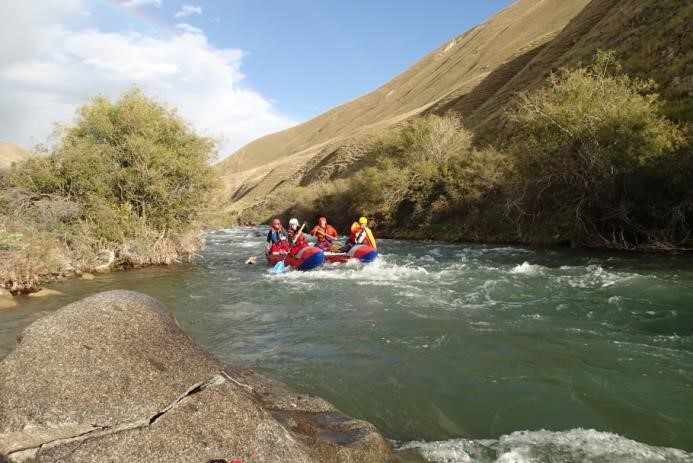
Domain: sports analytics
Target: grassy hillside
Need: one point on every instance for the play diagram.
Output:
(9, 153)
(478, 76)
(650, 39)
(454, 69)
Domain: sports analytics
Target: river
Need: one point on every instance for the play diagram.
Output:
(464, 352)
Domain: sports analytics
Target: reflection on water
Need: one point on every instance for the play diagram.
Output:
(452, 343)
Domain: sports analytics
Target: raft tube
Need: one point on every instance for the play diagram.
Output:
(307, 258)
(362, 252)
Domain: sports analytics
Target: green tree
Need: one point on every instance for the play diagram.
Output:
(407, 163)
(129, 176)
(578, 148)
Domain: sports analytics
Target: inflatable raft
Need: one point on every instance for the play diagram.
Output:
(307, 258)
(362, 252)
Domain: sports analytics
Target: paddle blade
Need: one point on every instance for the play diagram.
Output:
(278, 267)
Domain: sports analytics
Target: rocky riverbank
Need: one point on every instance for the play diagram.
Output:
(113, 378)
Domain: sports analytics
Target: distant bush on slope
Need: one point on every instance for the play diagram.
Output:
(419, 179)
(129, 180)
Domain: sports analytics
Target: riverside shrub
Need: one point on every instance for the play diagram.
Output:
(583, 149)
(417, 176)
(130, 177)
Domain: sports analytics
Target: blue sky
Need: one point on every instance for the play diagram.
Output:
(236, 69)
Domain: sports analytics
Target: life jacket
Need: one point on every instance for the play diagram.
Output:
(278, 239)
(297, 243)
(365, 236)
(354, 231)
(276, 235)
(327, 230)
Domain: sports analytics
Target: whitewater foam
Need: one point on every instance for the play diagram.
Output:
(526, 268)
(575, 445)
(378, 271)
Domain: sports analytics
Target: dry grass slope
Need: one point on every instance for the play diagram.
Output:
(10, 153)
(454, 69)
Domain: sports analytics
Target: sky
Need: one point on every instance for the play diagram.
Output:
(235, 69)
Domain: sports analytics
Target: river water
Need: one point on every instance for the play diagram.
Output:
(457, 352)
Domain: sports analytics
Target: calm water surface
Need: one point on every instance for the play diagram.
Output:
(464, 352)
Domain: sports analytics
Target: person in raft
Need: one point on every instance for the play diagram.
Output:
(364, 235)
(325, 233)
(277, 239)
(360, 234)
(298, 240)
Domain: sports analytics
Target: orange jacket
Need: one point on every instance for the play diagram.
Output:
(328, 230)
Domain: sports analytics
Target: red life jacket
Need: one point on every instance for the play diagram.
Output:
(298, 243)
(280, 246)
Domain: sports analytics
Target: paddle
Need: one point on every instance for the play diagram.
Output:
(279, 267)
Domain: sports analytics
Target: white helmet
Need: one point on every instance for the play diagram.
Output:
(294, 222)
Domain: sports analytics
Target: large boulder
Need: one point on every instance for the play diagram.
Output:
(114, 378)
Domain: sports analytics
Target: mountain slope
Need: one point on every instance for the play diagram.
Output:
(476, 75)
(9, 153)
(651, 39)
(453, 69)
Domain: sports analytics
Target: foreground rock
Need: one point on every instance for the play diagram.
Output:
(113, 378)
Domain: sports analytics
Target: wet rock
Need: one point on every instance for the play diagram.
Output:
(44, 292)
(113, 378)
(88, 276)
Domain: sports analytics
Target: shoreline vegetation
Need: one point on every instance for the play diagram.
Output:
(126, 186)
(588, 160)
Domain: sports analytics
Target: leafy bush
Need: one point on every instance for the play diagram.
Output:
(129, 174)
(407, 163)
(416, 175)
(579, 148)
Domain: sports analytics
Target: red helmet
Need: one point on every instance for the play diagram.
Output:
(322, 218)
(276, 221)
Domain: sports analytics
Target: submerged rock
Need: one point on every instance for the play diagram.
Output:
(44, 292)
(6, 299)
(114, 378)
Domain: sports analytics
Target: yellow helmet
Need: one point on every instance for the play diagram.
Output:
(363, 220)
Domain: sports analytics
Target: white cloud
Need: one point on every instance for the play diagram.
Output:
(24, 27)
(138, 3)
(58, 67)
(188, 10)
(190, 29)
